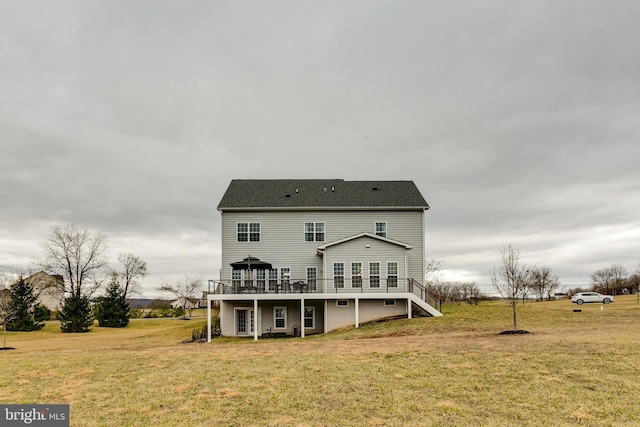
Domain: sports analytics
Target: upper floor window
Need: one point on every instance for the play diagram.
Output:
(314, 231)
(248, 231)
(381, 229)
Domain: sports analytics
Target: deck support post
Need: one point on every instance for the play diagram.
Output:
(208, 319)
(326, 316)
(357, 310)
(255, 319)
(302, 317)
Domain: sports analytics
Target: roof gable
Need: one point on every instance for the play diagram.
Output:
(321, 193)
(361, 235)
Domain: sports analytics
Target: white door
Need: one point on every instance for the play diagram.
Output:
(245, 321)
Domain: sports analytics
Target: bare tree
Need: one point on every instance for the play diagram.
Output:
(7, 312)
(442, 290)
(185, 290)
(510, 278)
(470, 292)
(543, 282)
(432, 279)
(609, 280)
(432, 273)
(633, 283)
(133, 269)
(79, 256)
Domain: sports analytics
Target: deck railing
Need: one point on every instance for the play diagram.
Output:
(314, 286)
(423, 292)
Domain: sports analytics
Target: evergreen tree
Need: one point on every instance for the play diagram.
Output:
(112, 310)
(41, 313)
(76, 314)
(23, 303)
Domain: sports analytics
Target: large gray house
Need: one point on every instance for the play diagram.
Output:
(308, 256)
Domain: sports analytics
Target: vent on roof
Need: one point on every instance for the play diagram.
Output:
(375, 189)
(287, 195)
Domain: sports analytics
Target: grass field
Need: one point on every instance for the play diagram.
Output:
(573, 369)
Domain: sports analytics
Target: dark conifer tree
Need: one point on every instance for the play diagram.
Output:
(112, 310)
(76, 314)
(23, 303)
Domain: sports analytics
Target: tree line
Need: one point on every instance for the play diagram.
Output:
(516, 281)
(613, 280)
(79, 256)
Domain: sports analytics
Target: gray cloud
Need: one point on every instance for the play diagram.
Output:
(517, 120)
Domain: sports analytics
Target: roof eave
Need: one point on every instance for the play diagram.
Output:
(324, 208)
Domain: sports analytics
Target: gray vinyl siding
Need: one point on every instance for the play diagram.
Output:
(282, 237)
(356, 251)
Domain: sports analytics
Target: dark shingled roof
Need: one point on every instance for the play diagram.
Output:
(321, 193)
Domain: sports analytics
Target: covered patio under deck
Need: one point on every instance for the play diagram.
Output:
(333, 310)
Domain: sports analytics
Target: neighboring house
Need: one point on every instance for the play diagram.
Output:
(316, 255)
(49, 288)
(189, 304)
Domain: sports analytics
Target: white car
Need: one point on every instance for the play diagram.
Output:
(582, 297)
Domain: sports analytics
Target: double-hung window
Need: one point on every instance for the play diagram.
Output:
(381, 229)
(374, 274)
(248, 231)
(260, 280)
(312, 277)
(338, 274)
(236, 278)
(356, 274)
(309, 317)
(280, 317)
(285, 275)
(314, 231)
(392, 274)
(273, 280)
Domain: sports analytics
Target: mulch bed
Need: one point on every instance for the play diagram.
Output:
(518, 332)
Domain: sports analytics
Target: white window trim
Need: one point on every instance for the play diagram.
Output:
(304, 231)
(386, 228)
(338, 301)
(275, 318)
(389, 305)
(397, 275)
(344, 274)
(313, 317)
(379, 275)
(282, 276)
(249, 232)
(314, 278)
(351, 276)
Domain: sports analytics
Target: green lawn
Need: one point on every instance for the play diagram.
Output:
(573, 369)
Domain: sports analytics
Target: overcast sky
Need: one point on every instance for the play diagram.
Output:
(518, 121)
